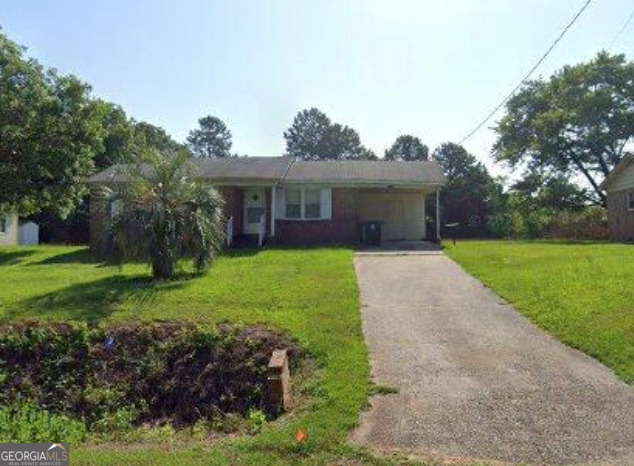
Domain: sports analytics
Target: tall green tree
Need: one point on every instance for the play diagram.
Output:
(407, 147)
(50, 132)
(211, 139)
(471, 193)
(313, 136)
(151, 137)
(118, 143)
(577, 123)
(167, 215)
(549, 192)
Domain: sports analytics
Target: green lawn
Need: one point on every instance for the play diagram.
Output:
(310, 293)
(582, 293)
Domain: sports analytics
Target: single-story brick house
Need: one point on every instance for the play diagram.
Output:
(619, 186)
(287, 201)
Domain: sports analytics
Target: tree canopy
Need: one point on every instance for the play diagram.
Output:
(577, 123)
(149, 136)
(54, 135)
(407, 147)
(313, 136)
(118, 143)
(555, 193)
(471, 193)
(50, 131)
(211, 139)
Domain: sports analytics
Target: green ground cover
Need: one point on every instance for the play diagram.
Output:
(311, 293)
(580, 292)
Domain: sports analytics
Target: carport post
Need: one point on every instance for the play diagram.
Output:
(273, 202)
(438, 214)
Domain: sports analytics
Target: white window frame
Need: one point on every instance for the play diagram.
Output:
(302, 217)
(4, 225)
(318, 191)
(301, 203)
(629, 201)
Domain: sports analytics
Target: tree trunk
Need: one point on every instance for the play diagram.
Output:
(594, 184)
(162, 263)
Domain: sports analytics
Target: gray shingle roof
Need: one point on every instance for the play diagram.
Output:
(263, 168)
(230, 168)
(365, 171)
(285, 170)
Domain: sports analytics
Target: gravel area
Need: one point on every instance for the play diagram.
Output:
(475, 379)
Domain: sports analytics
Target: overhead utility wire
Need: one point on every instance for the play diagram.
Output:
(528, 75)
(618, 34)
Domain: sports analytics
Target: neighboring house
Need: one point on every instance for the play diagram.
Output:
(9, 227)
(298, 202)
(619, 186)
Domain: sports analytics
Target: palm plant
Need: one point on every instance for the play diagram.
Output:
(167, 215)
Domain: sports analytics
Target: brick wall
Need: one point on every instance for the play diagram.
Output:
(234, 198)
(342, 228)
(620, 220)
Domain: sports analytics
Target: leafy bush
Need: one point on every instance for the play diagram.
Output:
(121, 376)
(25, 422)
(591, 223)
(257, 419)
(499, 226)
(535, 224)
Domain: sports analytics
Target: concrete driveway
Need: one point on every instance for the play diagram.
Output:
(477, 380)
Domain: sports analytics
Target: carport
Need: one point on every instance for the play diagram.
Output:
(401, 211)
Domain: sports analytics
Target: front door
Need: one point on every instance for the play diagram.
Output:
(253, 209)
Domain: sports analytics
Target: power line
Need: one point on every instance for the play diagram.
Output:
(618, 34)
(528, 75)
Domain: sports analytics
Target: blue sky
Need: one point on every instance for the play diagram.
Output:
(428, 68)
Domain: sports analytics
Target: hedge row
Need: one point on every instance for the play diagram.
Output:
(146, 373)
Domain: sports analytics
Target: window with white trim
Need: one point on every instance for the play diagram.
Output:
(4, 223)
(630, 200)
(293, 203)
(312, 203)
(307, 203)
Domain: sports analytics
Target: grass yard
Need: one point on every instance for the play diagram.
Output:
(310, 293)
(582, 293)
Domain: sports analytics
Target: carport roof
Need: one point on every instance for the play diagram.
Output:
(368, 171)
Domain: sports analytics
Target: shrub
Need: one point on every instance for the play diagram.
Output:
(499, 226)
(25, 423)
(591, 223)
(121, 376)
(535, 225)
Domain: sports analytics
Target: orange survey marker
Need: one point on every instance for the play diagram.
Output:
(301, 436)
